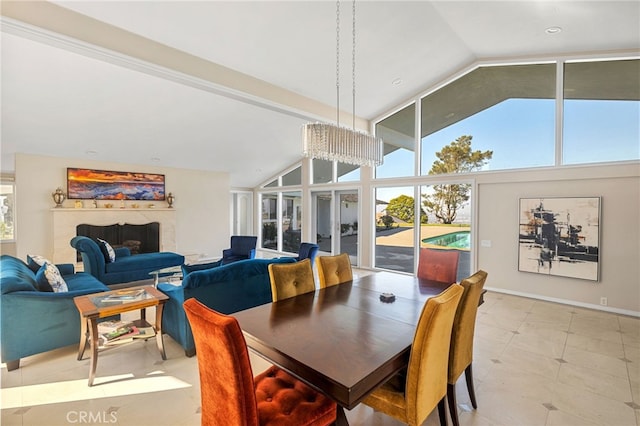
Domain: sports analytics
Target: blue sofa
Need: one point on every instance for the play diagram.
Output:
(33, 321)
(226, 288)
(125, 268)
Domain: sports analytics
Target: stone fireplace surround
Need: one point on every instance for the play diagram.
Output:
(65, 221)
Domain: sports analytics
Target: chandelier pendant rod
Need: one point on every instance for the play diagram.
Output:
(334, 143)
(338, 63)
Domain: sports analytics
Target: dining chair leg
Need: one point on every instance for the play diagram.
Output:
(468, 375)
(451, 398)
(442, 411)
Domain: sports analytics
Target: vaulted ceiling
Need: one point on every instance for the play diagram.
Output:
(227, 85)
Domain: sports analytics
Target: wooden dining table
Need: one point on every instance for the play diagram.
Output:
(342, 340)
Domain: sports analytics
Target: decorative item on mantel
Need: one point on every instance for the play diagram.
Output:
(59, 197)
(170, 200)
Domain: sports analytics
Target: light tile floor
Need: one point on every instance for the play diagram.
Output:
(535, 363)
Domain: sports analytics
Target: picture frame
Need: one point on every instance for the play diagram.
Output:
(91, 184)
(560, 236)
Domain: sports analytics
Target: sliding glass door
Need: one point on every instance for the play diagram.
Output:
(335, 221)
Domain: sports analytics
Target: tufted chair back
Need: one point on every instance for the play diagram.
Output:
(229, 393)
(334, 270)
(412, 399)
(291, 279)
(438, 265)
(461, 351)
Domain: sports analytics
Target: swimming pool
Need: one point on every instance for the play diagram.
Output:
(460, 239)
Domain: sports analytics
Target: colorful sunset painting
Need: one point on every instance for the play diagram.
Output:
(89, 184)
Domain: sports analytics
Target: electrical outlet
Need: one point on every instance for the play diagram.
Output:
(603, 301)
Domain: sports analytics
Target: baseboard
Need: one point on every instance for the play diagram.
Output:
(567, 302)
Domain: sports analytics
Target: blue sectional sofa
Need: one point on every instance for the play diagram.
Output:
(33, 321)
(125, 268)
(227, 289)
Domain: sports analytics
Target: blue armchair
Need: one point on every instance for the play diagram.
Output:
(308, 251)
(33, 321)
(242, 247)
(125, 268)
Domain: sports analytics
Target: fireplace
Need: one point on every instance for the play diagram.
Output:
(137, 238)
(66, 221)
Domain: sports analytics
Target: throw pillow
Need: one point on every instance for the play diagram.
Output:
(34, 262)
(48, 278)
(107, 250)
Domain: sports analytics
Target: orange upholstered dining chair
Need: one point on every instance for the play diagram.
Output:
(231, 396)
(334, 270)
(291, 279)
(411, 397)
(438, 265)
(461, 351)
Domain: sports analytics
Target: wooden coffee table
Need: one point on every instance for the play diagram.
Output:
(101, 305)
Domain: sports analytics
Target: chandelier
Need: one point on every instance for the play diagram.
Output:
(331, 142)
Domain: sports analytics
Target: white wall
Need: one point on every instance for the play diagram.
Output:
(202, 203)
(619, 186)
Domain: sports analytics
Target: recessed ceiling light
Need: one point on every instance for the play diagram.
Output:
(553, 30)
(397, 82)
(155, 159)
(91, 152)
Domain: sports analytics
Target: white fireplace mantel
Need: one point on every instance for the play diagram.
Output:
(65, 221)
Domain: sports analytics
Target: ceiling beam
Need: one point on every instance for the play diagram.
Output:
(107, 42)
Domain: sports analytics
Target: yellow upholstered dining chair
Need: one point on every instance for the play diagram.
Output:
(461, 351)
(334, 270)
(291, 279)
(438, 265)
(231, 396)
(412, 397)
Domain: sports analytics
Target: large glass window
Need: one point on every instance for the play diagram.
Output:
(322, 171)
(447, 221)
(395, 221)
(348, 172)
(601, 111)
(282, 224)
(509, 110)
(7, 206)
(398, 133)
(335, 218)
(294, 177)
(291, 221)
(270, 221)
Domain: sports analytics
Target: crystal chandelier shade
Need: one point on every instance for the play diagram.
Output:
(332, 142)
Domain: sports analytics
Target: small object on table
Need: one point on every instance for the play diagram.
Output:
(387, 297)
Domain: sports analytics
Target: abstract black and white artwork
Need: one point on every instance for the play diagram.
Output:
(560, 236)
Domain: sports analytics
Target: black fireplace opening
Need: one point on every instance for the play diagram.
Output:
(137, 238)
